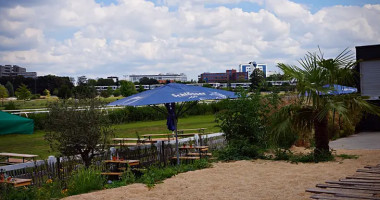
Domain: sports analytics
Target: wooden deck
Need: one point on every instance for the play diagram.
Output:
(365, 184)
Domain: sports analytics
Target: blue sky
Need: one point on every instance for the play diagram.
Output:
(124, 37)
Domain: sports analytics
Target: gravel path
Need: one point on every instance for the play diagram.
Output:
(259, 179)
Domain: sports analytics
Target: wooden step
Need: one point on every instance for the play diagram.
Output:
(187, 158)
(197, 154)
(112, 173)
(343, 194)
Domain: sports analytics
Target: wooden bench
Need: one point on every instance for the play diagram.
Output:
(20, 158)
(112, 173)
(129, 144)
(197, 154)
(187, 158)
(18, 182)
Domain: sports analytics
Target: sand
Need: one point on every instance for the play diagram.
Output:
(258, 179)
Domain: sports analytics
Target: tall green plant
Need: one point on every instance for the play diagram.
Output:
(3, 94)
(311, 108)
(78, 128)
(85, 180)
(23, 92)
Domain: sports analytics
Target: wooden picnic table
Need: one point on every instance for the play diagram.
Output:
(193, 147)
(18, 182)
(161, 134)
(200, 130)
(9, 157)
(120, 170)
(128, 139)
(129, 162)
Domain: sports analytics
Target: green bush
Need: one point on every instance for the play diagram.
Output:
(10, 106)
(50, 190)
(303, 158)
(39, 120)
(85, 180)
(8, 192)
(239, 150)
(157, 174)
(35, 96)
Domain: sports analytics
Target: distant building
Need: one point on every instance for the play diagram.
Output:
(230, 75)
(14, 70)
(161, 78)
(252, 66)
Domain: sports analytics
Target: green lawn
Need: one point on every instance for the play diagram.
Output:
(35, 143)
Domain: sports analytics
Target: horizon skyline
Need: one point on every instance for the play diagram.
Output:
(125, 37)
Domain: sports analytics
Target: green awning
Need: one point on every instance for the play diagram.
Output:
(15, 124)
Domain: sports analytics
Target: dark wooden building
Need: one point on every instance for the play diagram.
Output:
(368, 82)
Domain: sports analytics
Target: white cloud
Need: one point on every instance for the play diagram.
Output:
(81, 37)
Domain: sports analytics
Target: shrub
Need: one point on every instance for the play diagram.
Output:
(304, 158)
(8, 192)
(50, 190)
(39, 120)
(10, 106)
(157, 174)
(85, 180)
(75, 130)
(35, 96)
(239, 150)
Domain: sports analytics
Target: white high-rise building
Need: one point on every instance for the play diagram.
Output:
(252, 66)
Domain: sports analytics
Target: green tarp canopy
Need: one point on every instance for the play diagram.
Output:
(15, 124)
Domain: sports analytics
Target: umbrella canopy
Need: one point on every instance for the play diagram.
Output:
(340, 89)
(171, 93)
(336, 90)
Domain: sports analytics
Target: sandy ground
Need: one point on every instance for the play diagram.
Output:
(259, 179)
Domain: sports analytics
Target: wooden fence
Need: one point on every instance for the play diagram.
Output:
(148, 155)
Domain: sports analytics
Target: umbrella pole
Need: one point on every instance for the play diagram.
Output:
(176, 142)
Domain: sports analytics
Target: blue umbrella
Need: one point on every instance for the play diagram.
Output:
(336, 90)
(340, 89)
(169, 95)
(173, 92)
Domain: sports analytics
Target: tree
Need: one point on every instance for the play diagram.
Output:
(73, 131)
(46, 93)
(257, 78)
(105, 82)
(148, 81)
(144, 81)
(23, 92)
(116, 93)
(64, 92)
(3, 94)
(10, 89)
(141, 88)
(106, 93)
(311, 108)
(127, 88)
(92, 82)
(84, 91)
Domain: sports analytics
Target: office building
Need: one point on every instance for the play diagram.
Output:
(229, 75)
(161, 78)
(14, 70)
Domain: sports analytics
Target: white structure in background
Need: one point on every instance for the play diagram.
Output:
(252, 66)
(15, 70)
(161, 78)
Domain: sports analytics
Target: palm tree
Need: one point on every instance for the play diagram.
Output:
(311, 108)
